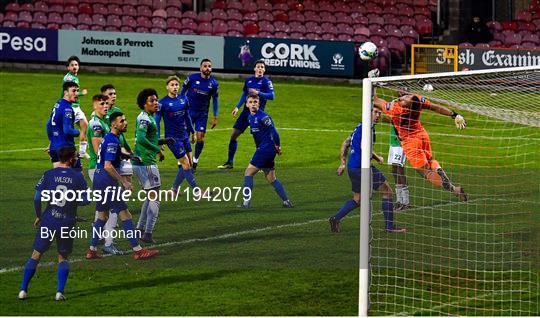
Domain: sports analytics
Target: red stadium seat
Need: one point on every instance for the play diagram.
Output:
(204, 28)
(495, 43)
(12, 7)
(494, 26)
(527, 26)
(510, 25)
(218, 14)
(158, 4)
(531, 37)
(144, 22)
(220, 29)
(281, 27)
(69, 18)
(54, 18)
(407, 21)
(9, 24)
(364, 31)
(267, 28)
(37, 25)
(425, 27)
(160, 13)
(173, 12)
(173, 31)
(23, 25)
(312, 36)
(482, 45)
(529, 45)
(56, 8)
(190, 14)
(283, 17)
(410, 37)
(251, 29)
(40, 6)
(142, 30)
(144, 11)
(40, 17)
(525, 16)
(126, 28)
(98, 8)
(513, 39)
(234, 5)
(234, 33)
(220, 4)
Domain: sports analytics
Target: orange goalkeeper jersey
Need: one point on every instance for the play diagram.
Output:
(405, 120)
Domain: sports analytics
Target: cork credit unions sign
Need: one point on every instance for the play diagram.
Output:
(140, 48)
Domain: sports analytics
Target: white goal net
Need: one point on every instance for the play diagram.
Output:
(457, 257)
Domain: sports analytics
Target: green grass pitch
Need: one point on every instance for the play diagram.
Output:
(219, 260)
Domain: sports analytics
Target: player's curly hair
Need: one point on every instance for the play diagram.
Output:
(143, 96)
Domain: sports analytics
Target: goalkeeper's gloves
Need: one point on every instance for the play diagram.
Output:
(166, 141)
(373, 73)
(459, 120)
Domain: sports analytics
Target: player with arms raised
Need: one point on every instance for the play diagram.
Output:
(405, 115)
(199, 88)
(58, 216)
(73, 64)
(354, 142)
(254, 85)
(268, 146)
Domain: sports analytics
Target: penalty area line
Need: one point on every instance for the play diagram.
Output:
(233, 234)
(329, 131)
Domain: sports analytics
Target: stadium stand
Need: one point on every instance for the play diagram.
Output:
(393, 25)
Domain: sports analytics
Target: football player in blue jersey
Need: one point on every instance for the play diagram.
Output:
(268, 146)
(178, 125)
(199, 88)
(256, 85)
(60, 126)
(58, 218)
(354, 170)
(107, 178)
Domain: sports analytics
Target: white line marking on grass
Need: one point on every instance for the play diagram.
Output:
(332, 131)
(235, 234)
(454, 303)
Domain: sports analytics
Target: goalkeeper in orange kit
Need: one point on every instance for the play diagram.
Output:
(405, 115)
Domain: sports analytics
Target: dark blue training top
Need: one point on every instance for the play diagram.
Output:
(60, 179)
(355, 156)
(60, 128)
(263, 85)
(176, 119)
(109, 150)
(199, 90)
(264, 132)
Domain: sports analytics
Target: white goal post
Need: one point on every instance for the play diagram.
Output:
(492, 100)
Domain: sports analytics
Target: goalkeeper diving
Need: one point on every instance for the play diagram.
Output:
(405, 115)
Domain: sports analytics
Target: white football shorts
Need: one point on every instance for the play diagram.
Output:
(148, 176)
(396, 156)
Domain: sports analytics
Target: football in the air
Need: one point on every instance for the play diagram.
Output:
(428, 88)
(368, 51)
